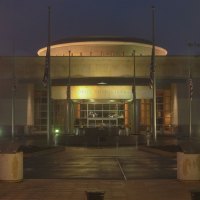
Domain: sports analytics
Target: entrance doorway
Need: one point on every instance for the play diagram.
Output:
(101, 114)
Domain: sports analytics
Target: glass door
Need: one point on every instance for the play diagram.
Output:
(102, 114)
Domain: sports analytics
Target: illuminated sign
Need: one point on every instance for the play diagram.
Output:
(101, 92)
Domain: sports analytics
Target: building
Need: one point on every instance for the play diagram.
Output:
(100, 74)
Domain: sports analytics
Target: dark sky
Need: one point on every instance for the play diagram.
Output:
(24, 22)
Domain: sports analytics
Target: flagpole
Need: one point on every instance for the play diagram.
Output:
(69, 96)
(190, 103)
(154, 74)
(49, 109)
(13, 94)
(190, 85)
(134, 93)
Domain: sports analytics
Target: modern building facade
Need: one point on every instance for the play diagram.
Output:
(103, 73)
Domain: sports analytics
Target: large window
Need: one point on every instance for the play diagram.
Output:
(163, 115)
(40, 114)
(59, 114)
(96, 115)
(145, 114)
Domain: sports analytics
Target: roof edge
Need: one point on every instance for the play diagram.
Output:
(100, 38)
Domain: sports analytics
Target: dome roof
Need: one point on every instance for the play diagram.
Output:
(102, 46)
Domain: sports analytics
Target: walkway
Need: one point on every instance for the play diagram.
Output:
(63, 189)
(126, 163)
(123, 174)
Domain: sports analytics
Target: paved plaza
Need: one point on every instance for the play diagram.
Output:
(64, 189)
(123, 173)
(124, 163)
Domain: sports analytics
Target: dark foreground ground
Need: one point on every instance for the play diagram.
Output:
(123, 163)
(125, 173)
(122, 173)
(65, 189)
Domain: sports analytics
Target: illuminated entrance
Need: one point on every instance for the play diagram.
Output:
(94, 106)
(105, 106)
(101, 115)
(99, 106)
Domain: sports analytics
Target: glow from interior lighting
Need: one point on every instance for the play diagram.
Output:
(102, 83)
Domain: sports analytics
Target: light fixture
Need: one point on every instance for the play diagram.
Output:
(129, 100)
(101, 83)
(57, 130)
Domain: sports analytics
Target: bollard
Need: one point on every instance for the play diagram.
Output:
(95, 195)
(195, 195)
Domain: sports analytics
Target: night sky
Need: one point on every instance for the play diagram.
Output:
(24, 22)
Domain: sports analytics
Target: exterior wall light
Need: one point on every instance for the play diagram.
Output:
(102, 83)
(57, 131)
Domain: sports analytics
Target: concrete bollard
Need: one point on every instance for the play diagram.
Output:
(188, 166)
(11, 166)
(95, 195)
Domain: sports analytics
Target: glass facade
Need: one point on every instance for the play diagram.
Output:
(101, 114)
(104, 114)
(40, 111)
(163, 115)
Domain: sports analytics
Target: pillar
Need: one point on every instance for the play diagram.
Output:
(30, 108)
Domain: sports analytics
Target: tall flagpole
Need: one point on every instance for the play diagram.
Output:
(69, 96)
(49, 107)
(190, 84)
(154, 74)
(134, 93)
(13, 94)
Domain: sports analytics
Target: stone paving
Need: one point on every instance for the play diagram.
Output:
(60, 189)
(71, 188)
(100, 163)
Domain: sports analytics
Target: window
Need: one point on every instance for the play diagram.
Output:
(96, 115)
(40, 116)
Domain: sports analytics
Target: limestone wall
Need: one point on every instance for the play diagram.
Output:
(32, 68)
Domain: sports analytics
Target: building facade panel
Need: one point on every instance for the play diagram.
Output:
(94, 107)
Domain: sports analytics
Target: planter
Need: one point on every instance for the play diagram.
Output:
(11, 167)
(188, 166)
